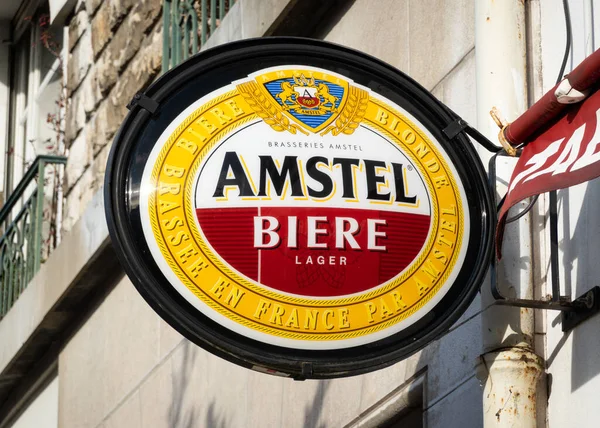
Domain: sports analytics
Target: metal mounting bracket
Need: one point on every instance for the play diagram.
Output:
(460, 125)
(574, 312)
(141, 100)
(455, 127)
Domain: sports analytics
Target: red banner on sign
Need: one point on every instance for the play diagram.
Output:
(565, 154)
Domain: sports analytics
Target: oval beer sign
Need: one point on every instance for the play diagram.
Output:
(298, 215)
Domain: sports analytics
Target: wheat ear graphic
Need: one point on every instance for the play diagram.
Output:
(266, 110)
(352, 114)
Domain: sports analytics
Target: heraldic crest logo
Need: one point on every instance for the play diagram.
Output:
(315, 102)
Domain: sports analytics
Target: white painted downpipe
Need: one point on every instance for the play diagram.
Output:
(588, 24)
(509, 369)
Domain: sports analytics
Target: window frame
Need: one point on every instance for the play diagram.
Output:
(393, 409)
(27, 85)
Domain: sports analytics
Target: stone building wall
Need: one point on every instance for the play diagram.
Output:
(115, 50)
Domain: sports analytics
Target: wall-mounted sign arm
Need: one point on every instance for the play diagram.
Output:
(460, 125)
(481, 139)
(575, 311)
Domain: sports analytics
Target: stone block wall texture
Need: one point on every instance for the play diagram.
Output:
(115, 50)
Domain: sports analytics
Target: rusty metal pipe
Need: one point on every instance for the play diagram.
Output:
(511, 386)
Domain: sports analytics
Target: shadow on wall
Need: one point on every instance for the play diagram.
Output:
(214, 420)
(313, 411)
(581, 253)
(509, 273)
(179, 417)
(196, 403)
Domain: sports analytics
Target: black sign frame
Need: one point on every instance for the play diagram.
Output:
(174, 91)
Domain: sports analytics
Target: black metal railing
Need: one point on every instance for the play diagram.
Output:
(187, 25)
(22, 223)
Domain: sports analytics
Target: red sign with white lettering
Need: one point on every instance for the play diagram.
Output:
(566, 154)
(313, 249)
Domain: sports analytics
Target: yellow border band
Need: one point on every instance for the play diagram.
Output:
(247, 302)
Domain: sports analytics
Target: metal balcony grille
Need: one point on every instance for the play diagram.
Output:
(22, 221)
(187, 25)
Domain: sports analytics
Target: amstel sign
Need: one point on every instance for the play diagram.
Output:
(294, 207)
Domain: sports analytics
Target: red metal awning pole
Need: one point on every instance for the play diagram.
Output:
(562, 146)
(549, 107)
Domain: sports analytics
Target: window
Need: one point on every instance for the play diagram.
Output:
(36, 106)
(31, 212)
(42, 412)
(36, 116)
(401, 408)
(410, 418)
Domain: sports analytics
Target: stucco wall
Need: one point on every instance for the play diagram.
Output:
(127, 368)
(4, 94)
(572, 358)
(43, 411)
